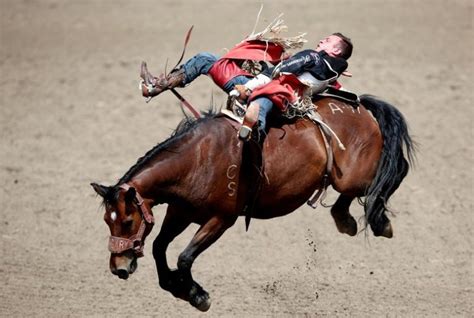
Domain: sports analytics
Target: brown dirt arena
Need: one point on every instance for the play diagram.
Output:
(71, 114)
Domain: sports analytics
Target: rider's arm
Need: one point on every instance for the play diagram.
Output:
(294, 65)
(244, 91)
(257, 81)
(297, 64)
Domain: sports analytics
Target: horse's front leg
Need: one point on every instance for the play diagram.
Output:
(207, 234)
(173, 224)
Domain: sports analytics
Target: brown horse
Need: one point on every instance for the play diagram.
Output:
(200, 174)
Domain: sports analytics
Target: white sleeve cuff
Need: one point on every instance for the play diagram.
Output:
(257, 81)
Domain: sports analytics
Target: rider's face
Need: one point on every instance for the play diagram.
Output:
(330, 45)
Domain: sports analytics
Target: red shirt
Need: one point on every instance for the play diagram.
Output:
(226, 67)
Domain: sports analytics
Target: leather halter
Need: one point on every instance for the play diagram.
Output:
(135, 242)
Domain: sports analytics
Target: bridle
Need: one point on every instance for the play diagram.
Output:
(135, 242)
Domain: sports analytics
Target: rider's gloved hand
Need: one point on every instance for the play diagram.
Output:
(241, 92)
(234, 93)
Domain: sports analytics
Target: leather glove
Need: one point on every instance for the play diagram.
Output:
(243, 91)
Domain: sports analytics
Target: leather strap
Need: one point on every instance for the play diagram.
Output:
(145, 210)
(326, 134)
(135, 242)
(119, 245)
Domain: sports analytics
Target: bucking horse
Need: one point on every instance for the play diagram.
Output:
(202, 173)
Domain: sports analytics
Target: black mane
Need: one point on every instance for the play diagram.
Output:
(186, 125)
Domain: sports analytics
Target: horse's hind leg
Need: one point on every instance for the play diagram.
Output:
(204, 237)
(345, 223)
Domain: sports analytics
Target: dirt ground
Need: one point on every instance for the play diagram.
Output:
(71, 114)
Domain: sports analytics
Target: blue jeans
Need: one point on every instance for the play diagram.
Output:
(266, 106)
(201, 63)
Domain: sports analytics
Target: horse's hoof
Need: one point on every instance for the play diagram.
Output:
(386, 232)
(199, 298)
(203, 304)
(348, 226)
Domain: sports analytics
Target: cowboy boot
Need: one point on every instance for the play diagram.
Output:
(152, 86)
(250, 119)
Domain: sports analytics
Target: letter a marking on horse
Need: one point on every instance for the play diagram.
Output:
(335, 108)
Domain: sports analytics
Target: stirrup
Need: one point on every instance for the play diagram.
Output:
(245, 132)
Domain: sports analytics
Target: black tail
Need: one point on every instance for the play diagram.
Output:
(397, 156)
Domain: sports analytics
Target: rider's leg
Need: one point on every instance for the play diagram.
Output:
(257, 112)
(185, 74)
(266, 106)
(200, 64)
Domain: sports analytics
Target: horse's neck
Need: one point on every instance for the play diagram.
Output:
(160, 178)
(171, 172)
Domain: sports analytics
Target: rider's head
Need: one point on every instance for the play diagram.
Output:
(336, 45)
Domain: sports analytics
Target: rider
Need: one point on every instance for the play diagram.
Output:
(314, 68)
(226, 71)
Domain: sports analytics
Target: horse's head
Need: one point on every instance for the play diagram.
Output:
(130, 220)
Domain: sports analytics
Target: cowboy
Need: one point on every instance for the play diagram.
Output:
(226, 71)
(313, 71)
(305, 73)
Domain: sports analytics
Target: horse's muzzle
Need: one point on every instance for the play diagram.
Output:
(123, 265)
(122, 274)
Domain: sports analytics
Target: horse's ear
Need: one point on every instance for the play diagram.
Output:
(100, 189)
(130, 194)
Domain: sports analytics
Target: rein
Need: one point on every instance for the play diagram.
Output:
(135, 242)
(186, 103)
(183, 101)
(186, 40)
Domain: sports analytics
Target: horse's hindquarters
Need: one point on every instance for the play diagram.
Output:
(355, 167)
(294, 164)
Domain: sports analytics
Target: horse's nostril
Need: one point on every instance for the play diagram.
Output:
(122, 273)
